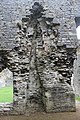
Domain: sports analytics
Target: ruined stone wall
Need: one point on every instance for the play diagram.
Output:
(10, 12)
(64, 11)
(42, 56)
(13, 10)
(41, 64)
(77, 8)
(76, 79)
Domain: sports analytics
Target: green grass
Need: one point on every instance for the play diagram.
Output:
(6, 94)
(77, 98)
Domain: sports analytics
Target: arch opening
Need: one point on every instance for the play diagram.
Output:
(6, 80)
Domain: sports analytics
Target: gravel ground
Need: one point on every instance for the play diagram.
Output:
(48, 116)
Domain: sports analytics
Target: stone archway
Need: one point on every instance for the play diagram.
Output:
(6, 83)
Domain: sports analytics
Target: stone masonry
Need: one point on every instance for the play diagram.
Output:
(42, 60)
(76, 79)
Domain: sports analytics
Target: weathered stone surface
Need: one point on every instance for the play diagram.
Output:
(76, 75)
(12, 11)
(42, 58)
(58, 97)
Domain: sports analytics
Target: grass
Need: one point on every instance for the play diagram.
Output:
(6, 94)
(77, 98)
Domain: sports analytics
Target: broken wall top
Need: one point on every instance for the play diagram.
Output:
(13, 11)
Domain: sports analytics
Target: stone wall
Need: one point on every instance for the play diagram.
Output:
(13, 10)
(76, 79)
(42, 57)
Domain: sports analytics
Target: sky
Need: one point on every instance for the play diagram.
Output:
(78, 32)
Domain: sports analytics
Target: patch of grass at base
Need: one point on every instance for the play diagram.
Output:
(6, 94)
(77, 98)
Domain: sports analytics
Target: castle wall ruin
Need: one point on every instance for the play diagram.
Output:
(40, 51)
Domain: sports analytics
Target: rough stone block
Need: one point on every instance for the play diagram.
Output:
(59, 98)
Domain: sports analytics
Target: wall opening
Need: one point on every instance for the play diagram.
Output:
(76, 77)
(6, 86)
(77, 20)
(6, 80)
